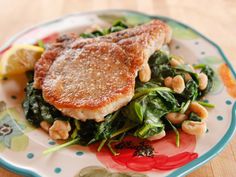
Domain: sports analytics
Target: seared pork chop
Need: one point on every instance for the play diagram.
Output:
(90, 78)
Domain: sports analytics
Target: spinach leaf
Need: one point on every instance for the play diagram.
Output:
(75, 127)
(30, 76)
(91, 131)
(208, 105)
(112, 123)
(191, 90)
(161, 68)
(158, 58)
(86, 132)
(135, 110)
(152, 124)
(36, 109)
(117, 26)
(169, 100)
(182, 69)
(92, 34)
(194, 117)
(177, 140)
(160, 72)
(119, 23)
(148, 108)
(141, 85)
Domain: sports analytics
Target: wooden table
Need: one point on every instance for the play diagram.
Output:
(215, 19)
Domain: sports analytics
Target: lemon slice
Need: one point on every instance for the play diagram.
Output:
(19, 59)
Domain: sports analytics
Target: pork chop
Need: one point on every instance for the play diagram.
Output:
(90, 78)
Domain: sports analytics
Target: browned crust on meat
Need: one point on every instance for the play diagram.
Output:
(52, 52)
(95, 76)
(43, 65)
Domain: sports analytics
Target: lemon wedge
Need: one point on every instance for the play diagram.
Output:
(19, 59)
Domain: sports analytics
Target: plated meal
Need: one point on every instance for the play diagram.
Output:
(119, 92)
(85, 88)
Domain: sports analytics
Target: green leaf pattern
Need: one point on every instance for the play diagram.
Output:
(12, 133)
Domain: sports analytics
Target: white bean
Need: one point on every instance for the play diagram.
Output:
(168, 82)
(174, 62)
(60, 130)
(178, 84)
(194, 128)
(145, 73)
(198, 109)
(157, 136)
(203, 81)
(187, 77)
(45, 125)
(176, 118)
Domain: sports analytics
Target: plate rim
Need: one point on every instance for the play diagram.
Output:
(182, 171)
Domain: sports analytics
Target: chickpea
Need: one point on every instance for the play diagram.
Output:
(198, 109)
(145, 73)
(187, 77)
(174, 62)
(178, 84)
(168, 82)
(60, 130)
(157, 136)
(45, 125)
(176, 118)
(194, 128)
(203, 81)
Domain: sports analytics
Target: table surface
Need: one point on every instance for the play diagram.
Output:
(216, 19)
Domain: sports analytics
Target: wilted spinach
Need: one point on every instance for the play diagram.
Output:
(194, 117)
(191, 90)
(117, 26)
(161, 68)
(147, 109)
(36, 109)
(111, 124)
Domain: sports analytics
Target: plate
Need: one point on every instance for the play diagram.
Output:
(21, 145)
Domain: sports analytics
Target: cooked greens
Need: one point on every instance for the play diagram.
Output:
(117, 26)
(148, 109)
(36, 109)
